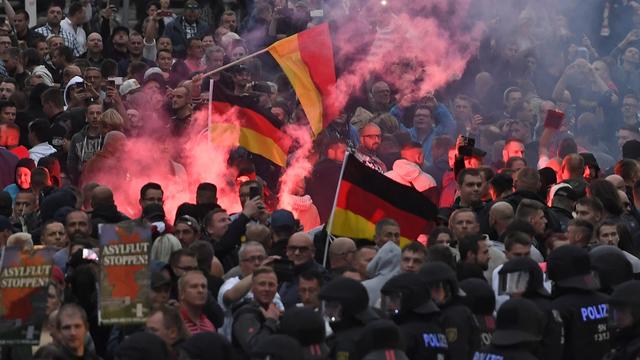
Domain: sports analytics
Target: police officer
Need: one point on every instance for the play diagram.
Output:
(518, 330)
(522, 277)
(625, 316)
(381, 340)
(611, 265)
(481, 300)
(308, 327)
(458, 322)
(407, 301)
(584, 311)
(276, 347)
(345, 304)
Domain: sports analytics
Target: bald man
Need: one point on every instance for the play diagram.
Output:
(342, 253)
(301, 252)
(617, 181)
(500, 216)
(367, 153)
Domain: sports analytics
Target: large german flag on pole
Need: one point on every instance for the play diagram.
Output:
(307, 60)
(258, 130)
(366, 196)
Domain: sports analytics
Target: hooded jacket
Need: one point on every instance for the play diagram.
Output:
(383, 267)
(408, 173)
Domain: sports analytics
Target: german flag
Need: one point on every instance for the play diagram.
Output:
(307, 60)
(259, 130)
(366, 196)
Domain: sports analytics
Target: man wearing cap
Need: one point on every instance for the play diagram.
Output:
(241, 79)
(583, 310)
(185, 27)
(562, 199)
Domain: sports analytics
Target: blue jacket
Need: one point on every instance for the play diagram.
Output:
(175, 31)
(445, 125)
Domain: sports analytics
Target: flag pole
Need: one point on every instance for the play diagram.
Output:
(233, 63)
(209, 118)
(333, 210)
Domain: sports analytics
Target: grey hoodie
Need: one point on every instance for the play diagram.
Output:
(383, 267)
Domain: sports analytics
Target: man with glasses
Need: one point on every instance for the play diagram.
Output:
(301, 252)
(151, 193)
(237, 290)
(630, 110)
(180, 262)
(367, 153)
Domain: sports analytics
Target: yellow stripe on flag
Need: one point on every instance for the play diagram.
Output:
(252, 140)
(349, 224)
(287, 54)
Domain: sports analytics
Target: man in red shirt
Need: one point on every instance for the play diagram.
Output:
(193, 296)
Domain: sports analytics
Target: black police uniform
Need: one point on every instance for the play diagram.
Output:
(417, 317)
(518, 330)
(250, 327)
(481, 300)
(308, 327)
(457, 321)
(551, 345)
(626, 341)
(584, 311)
(612, 267)
(381, 340)
(356, 313)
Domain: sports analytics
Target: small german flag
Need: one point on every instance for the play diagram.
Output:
(307, 60)
(366, 196)
(259, 131)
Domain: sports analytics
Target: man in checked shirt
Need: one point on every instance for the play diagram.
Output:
(52, 27)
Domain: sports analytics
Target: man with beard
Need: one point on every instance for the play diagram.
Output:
(77, 226)
(367, 153)
(474, 256)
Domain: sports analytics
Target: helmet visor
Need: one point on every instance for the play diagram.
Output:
(513, 283)
(332, 311)
(391, 303)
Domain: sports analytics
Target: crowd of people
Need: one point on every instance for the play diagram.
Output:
(531, 156)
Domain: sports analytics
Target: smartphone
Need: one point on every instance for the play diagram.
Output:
(554, 118)
(88, 254)
(467, 147)
(316, 13)
(254, 192)
(164, 13)
(117, 80)
(111, 83)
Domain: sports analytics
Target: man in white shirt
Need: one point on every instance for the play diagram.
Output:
(39, 136)
(237, 290)
(73, 24)
(516, 244)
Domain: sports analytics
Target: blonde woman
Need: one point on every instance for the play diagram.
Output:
(111, 120)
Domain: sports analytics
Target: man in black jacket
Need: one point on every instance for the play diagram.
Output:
(258, 319)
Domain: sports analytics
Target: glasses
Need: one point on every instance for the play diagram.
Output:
(187, 268)
(301, 249)
(254, 259)
(377, 136)
(155, 200)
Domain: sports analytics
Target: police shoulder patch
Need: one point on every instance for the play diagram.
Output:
(452, 334)
(342, 355)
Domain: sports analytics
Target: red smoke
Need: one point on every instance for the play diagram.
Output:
(417, 47)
